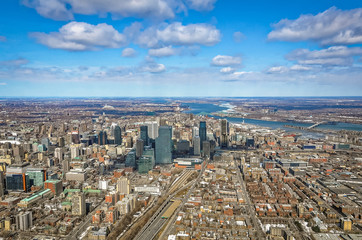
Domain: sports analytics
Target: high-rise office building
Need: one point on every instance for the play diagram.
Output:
(75, 137)
(202, 133)
(117, 135)
(224, 137)
(24, 220)
(102, 138)
(78, 204)
(195, 131)
(206, 149)
(16, 179)
(131, 159)
(144, 135)
(58, 153)
(37, 176)
(139, 148)
(164, 145)
(152, 129)
(123, 185)
(196, 145)
(74, 151)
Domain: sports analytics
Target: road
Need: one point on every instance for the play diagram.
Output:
(169, 226)
(250, 207)
(84, 224)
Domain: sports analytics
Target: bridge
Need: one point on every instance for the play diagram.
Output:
(316, 125)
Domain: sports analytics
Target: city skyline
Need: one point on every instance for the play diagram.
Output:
(66, 48)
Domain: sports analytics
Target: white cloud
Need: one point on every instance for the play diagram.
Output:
(65, 9)
(332, 26)
(277, 69)
(162, 52)
(227, 70)
(333, 56)
(80, 36)
(300, 68)
(2, 39)
(53, 9)
(238, 36)
(178, 34)
(3, 83)
(154, 68)
(223, 60)
(129, 52)
(201, 5)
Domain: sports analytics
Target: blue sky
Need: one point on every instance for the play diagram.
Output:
(180, 48)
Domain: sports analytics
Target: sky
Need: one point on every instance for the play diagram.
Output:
(180, 48)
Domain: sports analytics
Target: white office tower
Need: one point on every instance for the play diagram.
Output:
(195, 132)
(58, 153)
(152, 129)
(24, 220)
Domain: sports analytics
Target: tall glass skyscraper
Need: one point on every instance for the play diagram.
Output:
(117, 135)
(164, 145)
(144, 135)
(202, 133)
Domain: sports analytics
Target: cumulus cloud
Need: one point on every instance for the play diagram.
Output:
(331, 27)
(65, 9)
(201, 5)
(223, 60)
(278, 69)
(162, 52)
(2, 39)
(227, 70)
(177, 34)
(332, 56)
(53, 9)
(129, 52)
(80, 36)
(154, 68)
(238, 36)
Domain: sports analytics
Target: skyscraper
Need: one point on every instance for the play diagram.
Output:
(139, 148)
(164, 145)
(144, 135)
(152, 129)
(102, 138)
(117, 135)
(202, 133)
(224, 137)
(196, 145)
(24, 220)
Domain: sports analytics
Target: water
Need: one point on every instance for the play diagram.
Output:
(206, 108)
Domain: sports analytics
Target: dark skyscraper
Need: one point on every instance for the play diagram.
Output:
(144, 135)
(202, 133)
(117, 135)
(139, 148)
(224, 137)
(164, 145)
(102, 138)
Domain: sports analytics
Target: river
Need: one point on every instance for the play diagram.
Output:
(207, 109)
